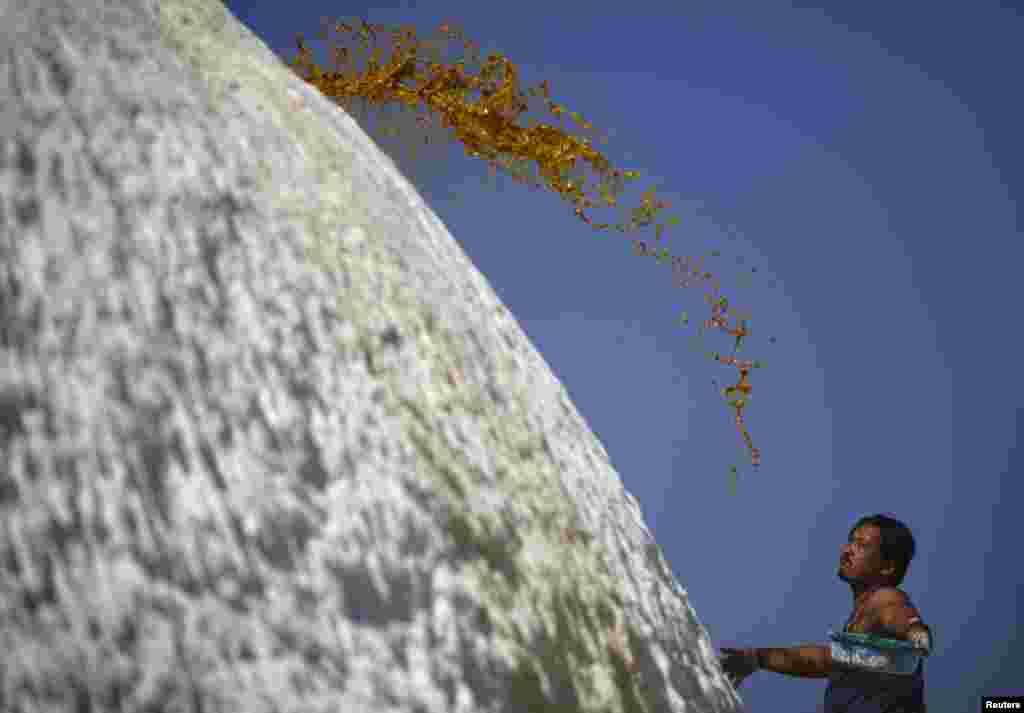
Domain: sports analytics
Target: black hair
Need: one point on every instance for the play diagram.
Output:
(897, 546)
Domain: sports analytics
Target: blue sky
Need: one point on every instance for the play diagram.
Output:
(866, 158)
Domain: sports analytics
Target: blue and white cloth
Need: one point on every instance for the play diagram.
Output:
(872, 653)
(888, 676)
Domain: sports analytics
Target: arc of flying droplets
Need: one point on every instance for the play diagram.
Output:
(488, 130)
(719, 307)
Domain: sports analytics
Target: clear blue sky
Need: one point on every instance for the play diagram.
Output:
(867, 159)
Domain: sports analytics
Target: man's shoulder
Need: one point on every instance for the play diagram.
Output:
(891, 612)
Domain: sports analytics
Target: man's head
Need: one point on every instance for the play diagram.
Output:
(878, 551)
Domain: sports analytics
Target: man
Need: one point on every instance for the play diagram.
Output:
(873, 562)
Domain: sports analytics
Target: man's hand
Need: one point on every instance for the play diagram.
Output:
(738, 664)
(921, 637)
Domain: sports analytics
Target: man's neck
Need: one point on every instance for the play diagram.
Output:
(862, 589)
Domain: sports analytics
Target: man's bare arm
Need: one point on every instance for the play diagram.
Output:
(808, 661)
(893, 612)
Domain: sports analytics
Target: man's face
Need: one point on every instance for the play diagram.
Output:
(860, 559)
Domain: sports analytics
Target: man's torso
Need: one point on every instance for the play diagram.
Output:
(866, 692)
